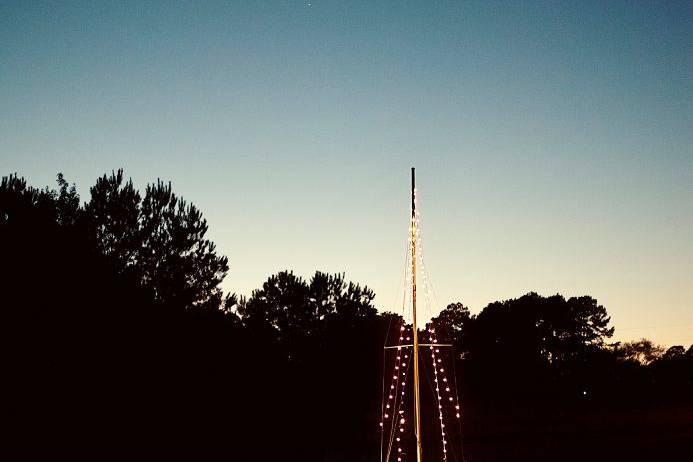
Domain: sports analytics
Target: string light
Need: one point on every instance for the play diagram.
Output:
(396, 421)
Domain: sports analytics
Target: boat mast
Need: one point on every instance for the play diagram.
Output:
(417, 403)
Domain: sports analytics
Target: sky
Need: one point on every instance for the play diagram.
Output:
(553, 141)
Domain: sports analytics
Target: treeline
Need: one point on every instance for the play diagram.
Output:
(120, 342)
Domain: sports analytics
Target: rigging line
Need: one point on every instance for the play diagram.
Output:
(439, 403)
(435, 361)
(433, 391)
(403, 283)
(427, 290)
(428, 285)
(457, 405)
(405, 279)
(382, 403)
(400, 411)
(426, 274)
(457, 398)
(456, 401)
(431, 297)
(395, 395)
(428, 296)
(397, 406)
(398, 394)
(385, 342)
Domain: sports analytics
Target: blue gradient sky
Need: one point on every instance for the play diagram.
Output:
(553, 143)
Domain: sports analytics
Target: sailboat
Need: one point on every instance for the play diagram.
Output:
(436, 431)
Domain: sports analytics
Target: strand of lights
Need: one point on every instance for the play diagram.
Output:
(393, 408)
(435, 360)
(428, 289)
(446, 393)
(400, 412)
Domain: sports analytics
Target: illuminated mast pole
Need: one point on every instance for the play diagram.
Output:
(417, 402)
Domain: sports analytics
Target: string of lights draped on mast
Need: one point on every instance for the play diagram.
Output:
(399, 439)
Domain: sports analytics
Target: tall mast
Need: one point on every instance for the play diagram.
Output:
(417, 402)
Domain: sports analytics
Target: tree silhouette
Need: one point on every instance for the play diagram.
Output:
(642, 351)
(452, 323)
(160, 237)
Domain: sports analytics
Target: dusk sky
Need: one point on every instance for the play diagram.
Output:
(553, 142)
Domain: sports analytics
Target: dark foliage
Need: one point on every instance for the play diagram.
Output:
(118, 342)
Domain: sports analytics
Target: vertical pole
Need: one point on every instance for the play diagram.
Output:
(417, 402)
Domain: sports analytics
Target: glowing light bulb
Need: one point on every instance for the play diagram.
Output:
(401, 421)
